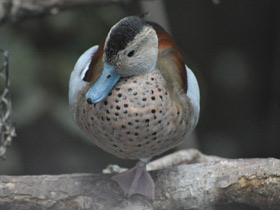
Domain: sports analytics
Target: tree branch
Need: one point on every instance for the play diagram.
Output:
(187, 156)
(15, 10)
(250, 181)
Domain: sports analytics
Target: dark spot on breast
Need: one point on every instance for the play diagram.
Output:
(118, 107)
(147, 120)
(117, 114)
(129, 123)
(107, 111)
(144, 99)
(115, 145)
(159, 89)
(153, 98)
(123, 126)
(108, 119)
(129, 89)
(110, 93)
(136, 134)
(152, 79)
(125, 105)
(153, 111)
(125, 111)
(117, 100)
(119, 95)
(105, 103)
(152, 92)
(135, 93)
(135, 81)
(117, 89)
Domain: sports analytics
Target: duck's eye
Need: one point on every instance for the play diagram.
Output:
(131, 53)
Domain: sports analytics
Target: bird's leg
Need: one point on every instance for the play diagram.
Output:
(136, 181)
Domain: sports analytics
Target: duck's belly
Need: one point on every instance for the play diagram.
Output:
(136, 120)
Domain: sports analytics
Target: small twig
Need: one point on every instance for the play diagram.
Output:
(7, 130)
(187, 156)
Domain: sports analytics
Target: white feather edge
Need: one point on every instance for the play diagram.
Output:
(76, 79)
(193, 93)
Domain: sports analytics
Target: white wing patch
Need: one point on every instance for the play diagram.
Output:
(77, 75)
(193, 92)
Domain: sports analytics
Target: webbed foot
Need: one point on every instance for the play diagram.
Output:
(136, 181)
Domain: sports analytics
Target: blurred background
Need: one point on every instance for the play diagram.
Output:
(233, 47)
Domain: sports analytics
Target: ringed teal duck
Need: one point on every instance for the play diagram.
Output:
(134, 97)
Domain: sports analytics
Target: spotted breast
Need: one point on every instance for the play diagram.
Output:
(137, 120)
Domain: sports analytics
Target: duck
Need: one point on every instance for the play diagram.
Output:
(134, 97)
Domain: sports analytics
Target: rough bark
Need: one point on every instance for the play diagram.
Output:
(211, 181)
(17, 10)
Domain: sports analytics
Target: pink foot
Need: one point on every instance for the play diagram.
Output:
(136, 181)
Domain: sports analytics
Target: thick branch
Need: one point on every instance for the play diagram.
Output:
(251, 181)
(15, 10)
